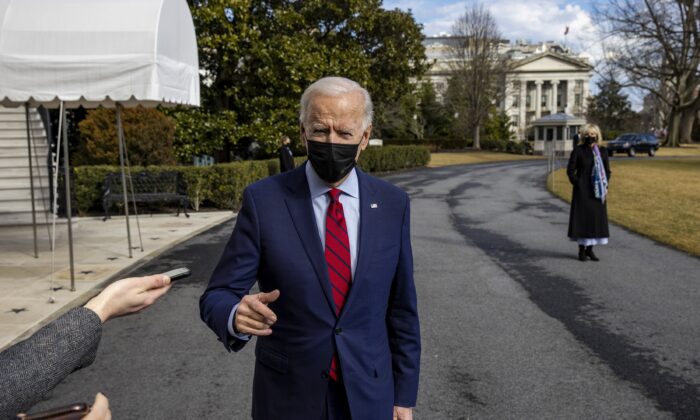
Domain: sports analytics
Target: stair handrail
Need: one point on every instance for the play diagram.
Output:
(32, 141)
(44, 114)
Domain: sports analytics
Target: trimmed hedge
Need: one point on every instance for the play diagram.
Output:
(497, 145)
(221, 186)
(434, 144)
(519, 148)
(392, 158)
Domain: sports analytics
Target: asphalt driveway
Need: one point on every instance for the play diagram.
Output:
(513, 325)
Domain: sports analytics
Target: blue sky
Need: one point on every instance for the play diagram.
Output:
(534, 20)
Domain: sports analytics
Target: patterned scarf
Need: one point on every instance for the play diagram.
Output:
(600, 180)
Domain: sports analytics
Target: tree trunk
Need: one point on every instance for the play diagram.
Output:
(672, 140)
(686, 126)
(477, 143)
(687, 113)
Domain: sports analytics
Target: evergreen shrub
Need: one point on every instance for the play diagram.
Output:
(221, 185)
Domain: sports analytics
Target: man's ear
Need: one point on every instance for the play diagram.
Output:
(365, 138)
(302, 135)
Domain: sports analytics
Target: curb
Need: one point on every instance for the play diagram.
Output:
(82, 297)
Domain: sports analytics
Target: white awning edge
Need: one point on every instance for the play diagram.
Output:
(98, 52)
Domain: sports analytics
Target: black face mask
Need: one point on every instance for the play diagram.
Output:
(589, 140)
(331, 161)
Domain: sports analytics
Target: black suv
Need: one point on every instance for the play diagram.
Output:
(631, 143)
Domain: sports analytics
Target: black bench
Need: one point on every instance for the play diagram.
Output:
(149, 187)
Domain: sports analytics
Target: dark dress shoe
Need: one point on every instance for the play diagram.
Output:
(591, 254)
(581, 253)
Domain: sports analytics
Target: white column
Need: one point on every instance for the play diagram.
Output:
(584, 96)
(570, 83)
(522, 123)
(553, 108)
(538, 99)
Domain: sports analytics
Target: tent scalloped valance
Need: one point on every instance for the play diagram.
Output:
(97, 52)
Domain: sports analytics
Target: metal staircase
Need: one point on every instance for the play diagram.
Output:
(15, 187)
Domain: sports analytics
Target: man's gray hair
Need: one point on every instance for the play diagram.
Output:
(335, 86)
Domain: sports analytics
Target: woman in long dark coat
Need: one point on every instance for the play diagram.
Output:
(589, 173)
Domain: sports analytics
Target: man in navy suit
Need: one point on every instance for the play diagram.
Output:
(330, 248)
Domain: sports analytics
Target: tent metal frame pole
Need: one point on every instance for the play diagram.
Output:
(133, 197)
(69, 211)
(31, 178)
(120, 135)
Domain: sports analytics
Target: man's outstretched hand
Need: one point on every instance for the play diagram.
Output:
(253, 316)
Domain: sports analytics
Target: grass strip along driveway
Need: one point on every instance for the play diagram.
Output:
(477, 156)
(657, 198)
(461, 158)
(685, 150)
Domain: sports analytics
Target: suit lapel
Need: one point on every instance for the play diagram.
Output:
(298, 202)
(368, 224)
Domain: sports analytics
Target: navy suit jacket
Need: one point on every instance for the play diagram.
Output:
(276, 243)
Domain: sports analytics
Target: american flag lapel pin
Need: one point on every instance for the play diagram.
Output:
(373, 206)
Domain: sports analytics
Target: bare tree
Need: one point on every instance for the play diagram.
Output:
(656, 45)
(689, 117)
(477, 69)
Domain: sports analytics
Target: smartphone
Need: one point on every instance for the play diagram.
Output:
(69, 412)
(178, 273)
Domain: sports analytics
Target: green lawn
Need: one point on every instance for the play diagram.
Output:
(459, 158)
(685, 150)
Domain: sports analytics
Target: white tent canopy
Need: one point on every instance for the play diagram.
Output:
(97, 53)
(92, 53)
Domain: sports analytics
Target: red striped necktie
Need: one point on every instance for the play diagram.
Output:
(338, 259)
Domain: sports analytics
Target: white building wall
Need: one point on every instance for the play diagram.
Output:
(528, 85)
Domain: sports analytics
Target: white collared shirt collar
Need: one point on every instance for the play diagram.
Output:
(318, 187)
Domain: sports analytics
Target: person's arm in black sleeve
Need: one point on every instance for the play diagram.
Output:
(280, 156)
(571, 167)
(606, 164)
